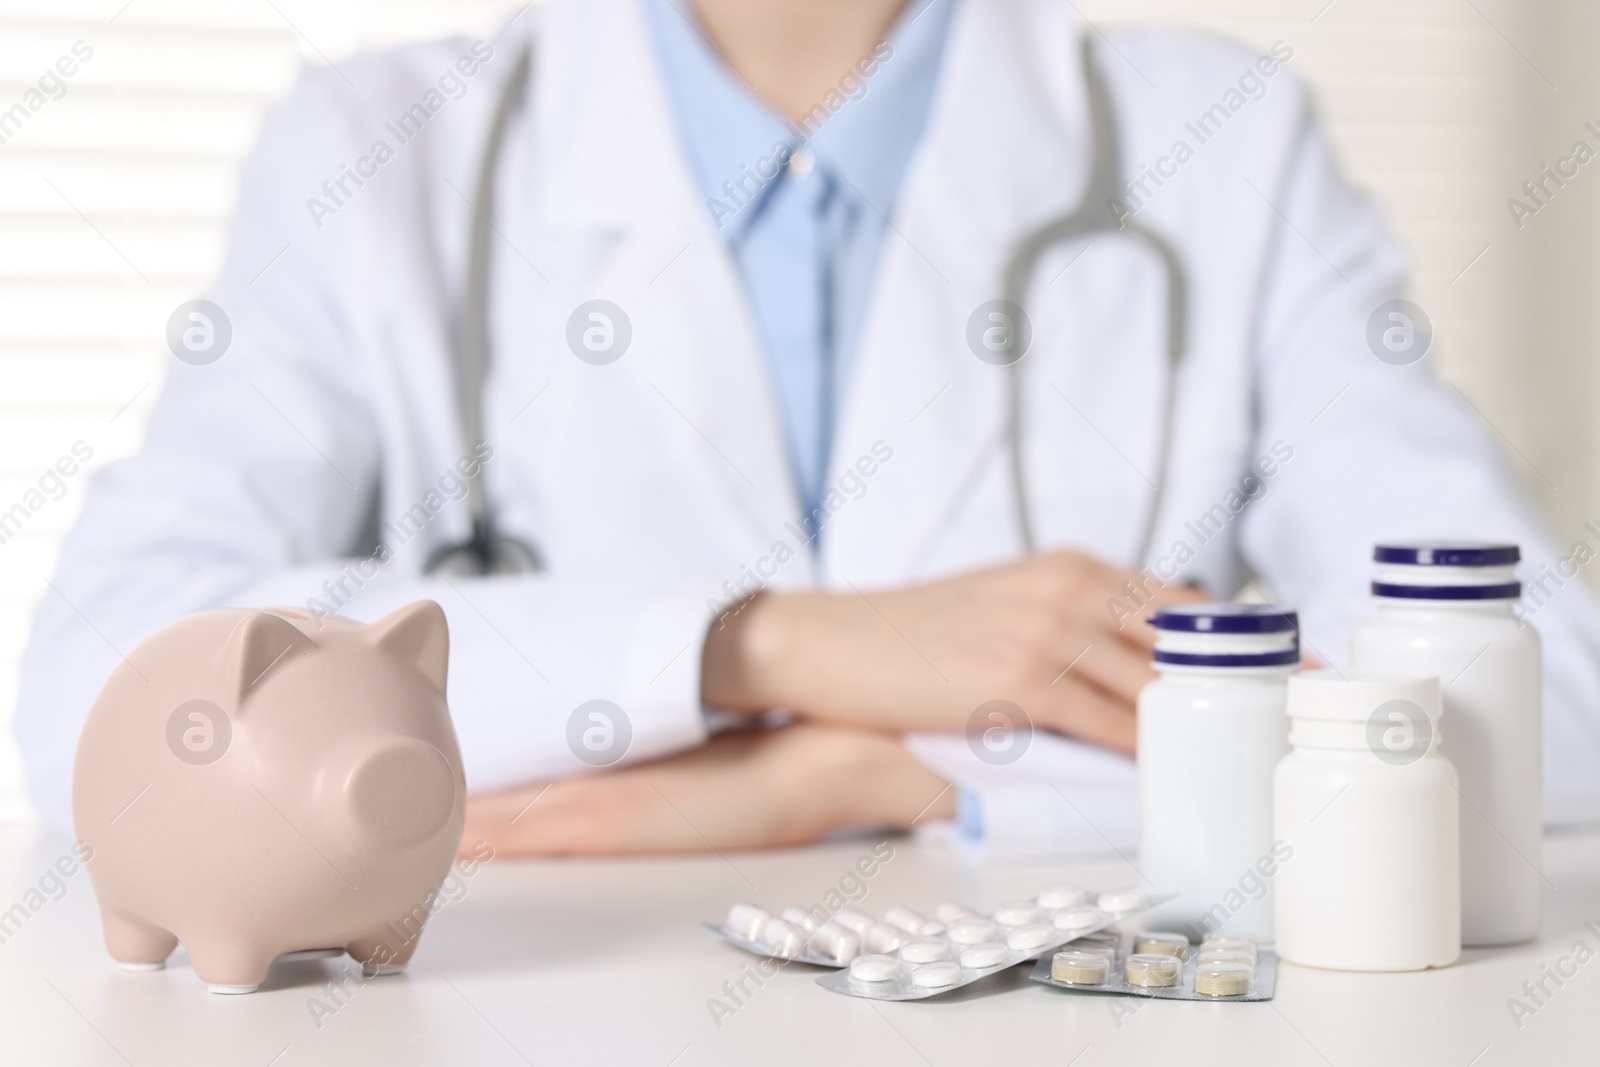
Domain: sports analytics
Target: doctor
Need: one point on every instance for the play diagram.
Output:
(897, 373)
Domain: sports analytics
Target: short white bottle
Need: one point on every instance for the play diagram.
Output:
(1445, 609)
(1369, 811)
(1211, 731)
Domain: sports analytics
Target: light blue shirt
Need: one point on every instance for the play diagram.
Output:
(804, 206)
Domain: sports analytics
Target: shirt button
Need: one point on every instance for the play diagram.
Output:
(801, 164)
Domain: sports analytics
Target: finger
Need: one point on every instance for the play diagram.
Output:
(1182, 594)
(1109, 658)
(1113, 623)
(1117, 666)
(1083, 711)
(1132, 620)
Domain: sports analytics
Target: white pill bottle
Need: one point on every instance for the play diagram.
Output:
(1211, 731)
(1445, 609)
(1369, 809)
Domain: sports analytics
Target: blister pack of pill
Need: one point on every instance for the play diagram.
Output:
(836, 939)
(1164, 965)
(960, 946)
(802, 936)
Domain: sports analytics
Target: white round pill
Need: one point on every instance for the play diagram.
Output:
(948, 913)
(924, 951)
(876, 968)
(785, 939)
(855, 921)
(1056, 897)
(986, 954)
(905, 919)
(882, 937)
(1084, 918)
(1121, 900)
(1023, 938)
(972, 931)
(834, 942)
(747, 921)
(1016, 913)
(936, 975)
(801, 918)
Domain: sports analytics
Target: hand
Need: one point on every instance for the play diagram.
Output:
(751, 789)
(1041, 633)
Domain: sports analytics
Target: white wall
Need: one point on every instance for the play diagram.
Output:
(113, 198)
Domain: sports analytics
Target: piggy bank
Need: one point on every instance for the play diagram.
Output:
(259, 784)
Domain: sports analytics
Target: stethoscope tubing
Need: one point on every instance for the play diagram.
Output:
(497, 554)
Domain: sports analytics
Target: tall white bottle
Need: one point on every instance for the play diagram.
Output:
(1212, 729)
(1445, 609)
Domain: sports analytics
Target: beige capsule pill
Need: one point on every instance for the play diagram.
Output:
(1093, 948)
(1161, 943)
(1080, 968)
(1223, 978)
(1152, 971)
(1099, 937)
(874, 968)
(924, 951)
(1231, 944)
(936, 975)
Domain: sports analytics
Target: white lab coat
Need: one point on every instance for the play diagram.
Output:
(654, 484)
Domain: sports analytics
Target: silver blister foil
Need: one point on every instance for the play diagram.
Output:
(1262, 985)
(904, 985)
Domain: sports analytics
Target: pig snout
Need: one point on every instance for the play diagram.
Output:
(396, 793)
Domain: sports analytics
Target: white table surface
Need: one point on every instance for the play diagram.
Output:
(605, 961)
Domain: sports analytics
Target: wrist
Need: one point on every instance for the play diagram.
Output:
(890, 787)
(746, 649)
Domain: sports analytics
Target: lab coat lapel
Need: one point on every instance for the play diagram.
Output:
(613, 190)
(1006, 149)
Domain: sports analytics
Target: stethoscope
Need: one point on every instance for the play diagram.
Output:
(488, 551)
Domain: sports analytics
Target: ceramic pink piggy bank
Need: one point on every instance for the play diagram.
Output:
(256, 784)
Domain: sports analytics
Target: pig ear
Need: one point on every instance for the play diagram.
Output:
(418, 634)
(260, 644)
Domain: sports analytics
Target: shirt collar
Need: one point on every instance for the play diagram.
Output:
(863, 132)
